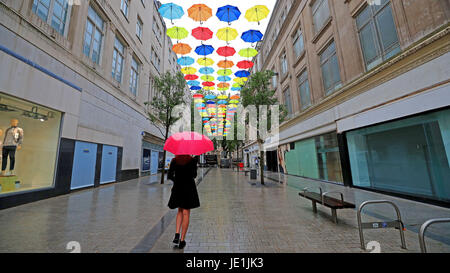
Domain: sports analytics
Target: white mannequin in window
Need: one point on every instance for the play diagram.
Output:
(11, 142)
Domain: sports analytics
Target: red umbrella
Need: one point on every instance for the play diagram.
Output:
(190, 77)
(202, 33)
(188, 143)
(208, 84)
(226, 51)
(245, 64)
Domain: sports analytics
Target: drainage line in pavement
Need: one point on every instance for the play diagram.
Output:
(149, 240)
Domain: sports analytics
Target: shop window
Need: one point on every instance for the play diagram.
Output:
(377, 33)
(53, 12)
(409, 156)
(29, 136)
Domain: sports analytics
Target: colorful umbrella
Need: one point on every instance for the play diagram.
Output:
(207, 78)
(242, 74)
(257, 13)
(228, 14)
(208, 88)
(178, 33)
(235, 97)
(245, 64)
(223, 85)
(195, 88)
(236, 88)
(188, 70)
(240, 81)
(204, 50)
(222, 102)
(222, 97)
(198, 96)
(206, 70)
(202, 33)
(225, 64)
(237, 85)
(226, 51)
(248, 52)
(224, 79)
(190, 77)
(193, 83)
(171, 11)
(210, 84)
(185, 61)
(200, 12)
(188, 143)
(205, 61)
(210, 97)
(252, 36)
(181, 49)
(227, 34)
(224, 72)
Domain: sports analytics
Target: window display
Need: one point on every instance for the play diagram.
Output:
(29, 137)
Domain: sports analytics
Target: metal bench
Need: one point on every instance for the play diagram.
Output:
(327, 201)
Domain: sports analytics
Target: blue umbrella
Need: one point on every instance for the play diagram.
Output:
(204, 50)
(210, 97)
(200, 105)
(222, 102)
(171, 11)
(228, 13)
(206, 70)
(185, 61)
(252, 36)
(194, 88)
(210, 102)
(224, 79)
(193, 83)
(236, 89)
(242, 74)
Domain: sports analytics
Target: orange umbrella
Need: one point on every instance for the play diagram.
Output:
(182, 49)
(223, 85)
(225, 64)
(200, 12)
(235, 97)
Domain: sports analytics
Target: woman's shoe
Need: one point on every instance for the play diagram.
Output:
(176, 240)
(182, 244)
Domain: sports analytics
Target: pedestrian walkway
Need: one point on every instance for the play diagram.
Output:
(236, 215)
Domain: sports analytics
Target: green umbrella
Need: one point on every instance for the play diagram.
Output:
(248, 52)
(177, 33)
(207, 78)
(224, 72)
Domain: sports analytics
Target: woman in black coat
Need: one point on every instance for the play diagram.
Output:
(184, 197)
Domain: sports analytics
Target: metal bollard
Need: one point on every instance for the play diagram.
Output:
(424, 227)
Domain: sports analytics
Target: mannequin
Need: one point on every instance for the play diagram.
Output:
(12, 142)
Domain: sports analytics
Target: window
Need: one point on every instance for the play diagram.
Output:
(330, 69)
(134, 76)
(124, 5)
(321, 13)
(377, 33)
(156, 30)
(117, 63)
(155, 59)
(299, 45)
(93, 36)
(139, 27)
(274, 79)
(287, 101)
(53, 12)
(305, 97)
(284, 64)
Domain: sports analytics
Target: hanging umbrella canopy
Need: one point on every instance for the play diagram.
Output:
(222, 102)
(178, 33)
(188, 70)
(224, 72)
(257, 13)
(206, 70)
(200, 12)
(241, 81)
(224, 79)
(225, 64)
(242, 74)
(252, 36)
(193, 83)
(181, 49)
(236, 88)
(245, 64)
(226, 51)
(185, 61)
(248, 52)
(205, 61)
(222, 97)
(223, 85)
(228, 13)
(207, 78)
(210, 84)
(188, 143)
(195, 88)
(237, 85)
(210, 97)
(190, 77)
(227, 34)
(204, 50)
(208, 88)
(235, 97)
(171, 11)
(202, 33)
(234, 101)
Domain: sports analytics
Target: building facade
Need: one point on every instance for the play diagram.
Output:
(366, 84)
(75, 75)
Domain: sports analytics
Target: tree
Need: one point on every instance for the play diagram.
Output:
(170, 93)
(257, 92)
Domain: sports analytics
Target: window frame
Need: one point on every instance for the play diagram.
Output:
(122, 55)
(134, 75)
(336, 85)
(296, 38)
(314, 10)
(51, 14)
(127, 5)
(95, 27)
(139, 28)
(300, 83)
(288, 102)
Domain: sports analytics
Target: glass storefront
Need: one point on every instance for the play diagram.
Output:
(29, 135)
(317, 158)
(409, 156)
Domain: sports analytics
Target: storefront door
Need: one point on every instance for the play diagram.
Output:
(83, 172)
(154, 162)
(109, 164)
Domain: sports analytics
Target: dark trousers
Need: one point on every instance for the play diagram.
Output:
(11, 152)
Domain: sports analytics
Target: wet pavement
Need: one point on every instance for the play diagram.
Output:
(236, 215)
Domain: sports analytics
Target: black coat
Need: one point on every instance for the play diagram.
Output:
(184, 191)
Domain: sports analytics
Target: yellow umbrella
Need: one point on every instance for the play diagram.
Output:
(208, 88)
(248, 52)
(240, 81)
(227, 34)
(222, 97)
(237, 85)
(224, 72)
(257, 13)
(188, 70)
(207, 78)
(223, 89)
(205, 61)
(177, 33)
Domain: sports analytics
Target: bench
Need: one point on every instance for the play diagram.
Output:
(327, 201)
